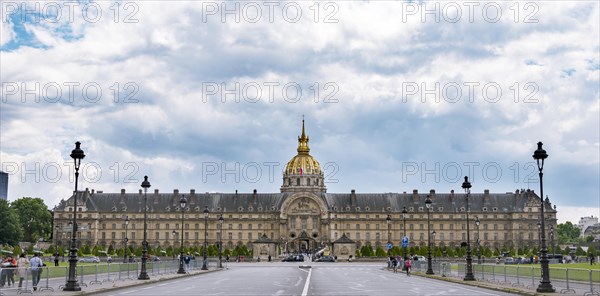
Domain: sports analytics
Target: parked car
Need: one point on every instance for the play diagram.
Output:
(509, 260)
(293, 258)
(155, 258)
(419, 258)
(325, 259)
(89, 259)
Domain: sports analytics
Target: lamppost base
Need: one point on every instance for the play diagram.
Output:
(181, 271)
(545, 288)
(429, 271)
(469, 277)
(204, 267)
(72, 286)
(143, 276)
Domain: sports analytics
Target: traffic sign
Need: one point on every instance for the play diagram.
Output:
(389, 246)
(404, 241)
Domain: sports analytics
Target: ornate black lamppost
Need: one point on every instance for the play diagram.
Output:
(143, 273)
(125, 240)
(220, 239)
(72, 284)
(545, 286)
(388, 220)
(466, 185)
(182, 204)
(552, 239)
(433, 245)
(429, 268)
(539, 225)
(404, 234)
(204, 267)
(477, 234)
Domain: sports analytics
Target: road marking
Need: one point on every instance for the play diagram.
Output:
(305, 291)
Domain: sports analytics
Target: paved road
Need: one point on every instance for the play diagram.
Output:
(289, 279)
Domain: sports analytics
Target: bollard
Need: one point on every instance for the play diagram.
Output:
(47, 287)
(95, 281)
(568, 289)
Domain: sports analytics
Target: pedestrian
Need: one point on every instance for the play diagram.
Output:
(10, 271)
(56, 258)
(187, 259)
(408, 265)
(35, 264)
(22, 268)
(227, 258)
(395, 264)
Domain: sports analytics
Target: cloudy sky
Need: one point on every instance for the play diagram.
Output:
(210, 96)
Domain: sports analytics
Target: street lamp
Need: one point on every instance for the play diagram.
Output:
(429, 268)
(404, 234)
(469, 275)
(478, 246)
(539, 225)
(204, 267)
(182, 204)
(143, 274)
(175, 238)
(72, 284)
(545, 286)
(388, 220)
(220, 239)
(552, 239)
(433, 233)
(126, 239)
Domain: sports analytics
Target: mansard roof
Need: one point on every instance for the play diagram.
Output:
(336, 202)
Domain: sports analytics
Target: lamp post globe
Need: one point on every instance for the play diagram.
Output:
(72, 284)
(143, 273)
(404, 212)
(204, 259)
(429, 267)
(182, 205)
(466, 185)
(220, 240)
(545, 285)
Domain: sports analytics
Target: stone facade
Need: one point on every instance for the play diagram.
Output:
(303, 216)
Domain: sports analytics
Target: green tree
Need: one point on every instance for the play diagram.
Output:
(11, 231)
(34, 217)
(17, 250)
(567, 232)
(379, 252)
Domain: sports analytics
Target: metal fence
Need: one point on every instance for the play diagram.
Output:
(54, 278)
(564, 280)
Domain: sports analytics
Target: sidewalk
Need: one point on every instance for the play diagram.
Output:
(103, 287)
(496, 286)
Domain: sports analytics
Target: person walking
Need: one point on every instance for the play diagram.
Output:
(187, 259)
(10, 270)
(395, 264)
(35, 265)
(22, 268)
(56, 258)
(407, 263)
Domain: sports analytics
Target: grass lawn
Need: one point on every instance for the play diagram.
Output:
(576, 271)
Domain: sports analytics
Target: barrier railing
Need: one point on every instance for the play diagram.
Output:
(565, 280)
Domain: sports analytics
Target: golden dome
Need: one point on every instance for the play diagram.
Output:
(303, 163)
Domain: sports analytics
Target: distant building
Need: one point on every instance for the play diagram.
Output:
(303, 216)
(3, 185)
(586, 222)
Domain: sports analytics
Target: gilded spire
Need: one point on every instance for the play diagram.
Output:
(303, 141)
